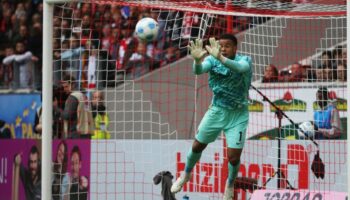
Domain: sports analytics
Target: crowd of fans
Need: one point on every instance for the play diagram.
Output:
(92, 42)
(20, 44)
(329, 67)
(107, 37)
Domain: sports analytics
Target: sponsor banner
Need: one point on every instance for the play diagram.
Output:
(18, 111)
(20, 169)
(298, 103)
(298, 194)
(125, 168)
(134, 163)
(16, 178)
(71, 169)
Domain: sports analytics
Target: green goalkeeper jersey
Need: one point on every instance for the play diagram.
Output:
(230, 88)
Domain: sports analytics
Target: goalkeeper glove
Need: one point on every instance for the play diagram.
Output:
(214, 48)
(197, 51)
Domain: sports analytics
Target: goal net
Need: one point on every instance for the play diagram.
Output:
(154, 102)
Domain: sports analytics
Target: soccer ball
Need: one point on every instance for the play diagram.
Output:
(308, 129)
(147, 29)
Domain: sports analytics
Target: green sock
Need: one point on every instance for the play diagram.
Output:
(232, 173)
(192, 159)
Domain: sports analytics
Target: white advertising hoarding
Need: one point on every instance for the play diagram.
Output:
(124, 169)
(297, 103)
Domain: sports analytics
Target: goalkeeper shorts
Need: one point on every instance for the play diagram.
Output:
(234, 123)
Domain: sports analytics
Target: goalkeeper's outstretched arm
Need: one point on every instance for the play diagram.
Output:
(198, 53)
(238, 66)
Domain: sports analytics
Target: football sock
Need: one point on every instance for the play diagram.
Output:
(192, 159)
(232, 173)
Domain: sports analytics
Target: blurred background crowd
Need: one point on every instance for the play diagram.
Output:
(329, 67)
(95, 44)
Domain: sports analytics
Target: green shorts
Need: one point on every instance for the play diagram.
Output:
(234, 123)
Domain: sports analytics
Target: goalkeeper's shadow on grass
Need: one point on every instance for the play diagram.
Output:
(317, 166)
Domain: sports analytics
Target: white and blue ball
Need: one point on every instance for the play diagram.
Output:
(147, 29)
(308, 129)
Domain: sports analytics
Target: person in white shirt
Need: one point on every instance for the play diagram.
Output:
(23, 65)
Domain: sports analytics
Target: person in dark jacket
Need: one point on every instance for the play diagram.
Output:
(77, 117)
(30, 175)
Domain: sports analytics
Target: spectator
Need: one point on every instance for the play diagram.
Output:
(87, 31)
(101, 118)
(117, 36)
(341, 73)
(117, 19)
(127, 45)
(57, 124)
(30, 176)
(22, 35)
(107, 16)
(296, 73)
(107, 38)
(270, 74)
(22, 66)
(35, 43)
(39, 8)
(310, 73)
(326, 60)
(5, 132)
(5, 70)
(9, 68)
(79, 184)
(36, 39)
(139, 63)
(326, 117)
(172, 54)
(57, 22)
(328, 74)
(60, 180)
(56, 117)
(337, 56)
(320, 74)
(86, 9)
(73, 58)
(100, 9)
(344, 56)
(36, 18)
(57, 64)
(88, 61)
(6, 24)
(20, 11)
(78, 121)
(65, 30)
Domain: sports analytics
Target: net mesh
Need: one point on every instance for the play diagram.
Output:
(154, 102)
(246, 7)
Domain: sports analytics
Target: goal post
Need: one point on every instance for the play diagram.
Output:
(46, 141)
(156, 114)
(348, 86)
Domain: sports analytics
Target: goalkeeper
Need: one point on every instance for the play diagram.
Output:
(229, 78)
